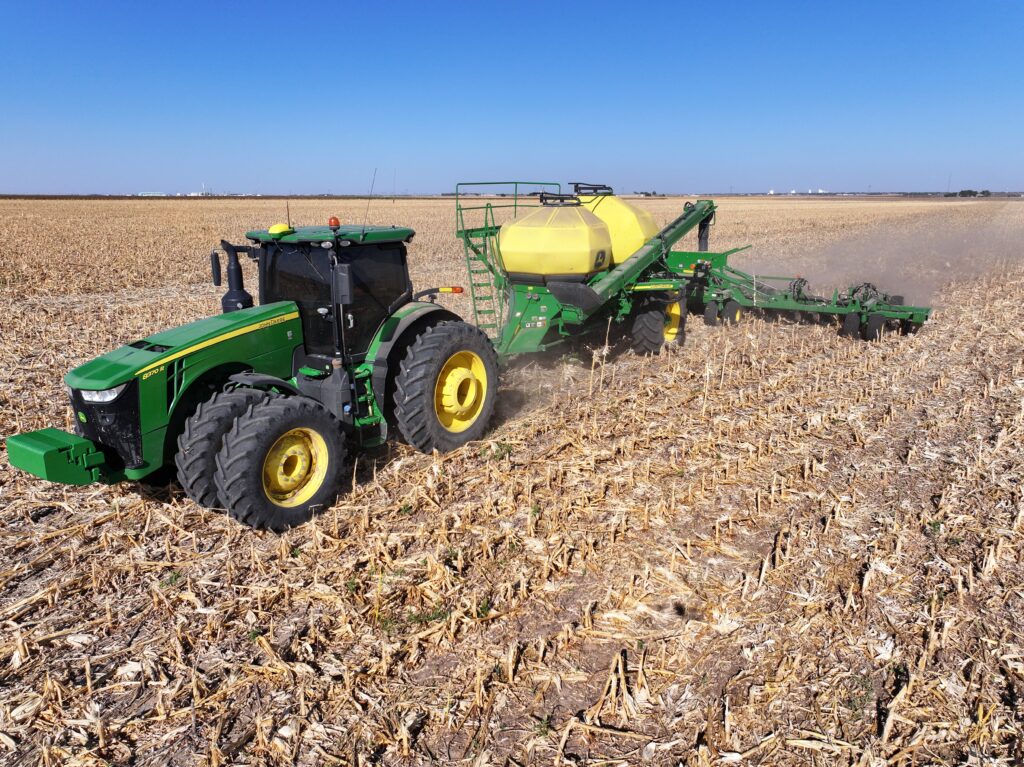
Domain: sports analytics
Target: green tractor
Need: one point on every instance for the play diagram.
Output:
(257, 409)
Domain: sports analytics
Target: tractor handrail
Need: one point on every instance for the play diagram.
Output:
(515, 204)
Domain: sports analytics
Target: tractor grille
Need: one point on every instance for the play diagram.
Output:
(113, 426)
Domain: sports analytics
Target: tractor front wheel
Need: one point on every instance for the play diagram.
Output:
(446, 387)
(281, 462)
(202, 439)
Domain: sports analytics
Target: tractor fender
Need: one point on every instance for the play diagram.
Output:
(262, 381)
(394, 337)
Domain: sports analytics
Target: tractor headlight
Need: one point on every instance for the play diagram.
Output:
(106, 395)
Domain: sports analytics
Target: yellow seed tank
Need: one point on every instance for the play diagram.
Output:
(630, 227)
(562, 242)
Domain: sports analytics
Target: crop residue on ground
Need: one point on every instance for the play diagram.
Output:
(769, 546)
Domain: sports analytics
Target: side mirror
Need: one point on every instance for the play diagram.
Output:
(342, 284)
(215, 267)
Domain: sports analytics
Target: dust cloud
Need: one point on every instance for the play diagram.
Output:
(916, 259)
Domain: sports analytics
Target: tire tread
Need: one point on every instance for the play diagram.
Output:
(235, 468)
(201, 440)
(414, 395)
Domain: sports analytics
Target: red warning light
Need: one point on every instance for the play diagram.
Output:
(333, 222)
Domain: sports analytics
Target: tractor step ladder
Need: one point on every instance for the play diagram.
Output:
(476, 224)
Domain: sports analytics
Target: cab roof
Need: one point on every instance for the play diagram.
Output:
(348, 233)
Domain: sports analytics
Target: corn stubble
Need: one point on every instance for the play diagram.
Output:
(769, 546)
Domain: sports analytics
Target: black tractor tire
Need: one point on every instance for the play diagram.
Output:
(202, 438)
(305, 441)
(465, 357)
(872, 330)
(711, 310)
(647, 332)
(850, 326)
(732, 313)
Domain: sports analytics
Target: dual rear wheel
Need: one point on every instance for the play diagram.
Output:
(273, 461)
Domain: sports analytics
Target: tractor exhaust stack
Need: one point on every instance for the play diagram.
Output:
(236, 297)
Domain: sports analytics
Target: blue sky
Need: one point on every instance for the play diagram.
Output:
(310, 97)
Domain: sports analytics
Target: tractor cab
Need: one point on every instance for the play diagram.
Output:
(345, 280)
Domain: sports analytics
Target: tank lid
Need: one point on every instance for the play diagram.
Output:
(594, 190)
(551, 200)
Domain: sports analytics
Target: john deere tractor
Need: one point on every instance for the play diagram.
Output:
(256, 409)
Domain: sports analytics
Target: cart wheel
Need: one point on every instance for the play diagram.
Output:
(851, 326)
(711, 313)
(675, 322)
(648, 332)
(779, 315)
(872, 329)
(732, 313)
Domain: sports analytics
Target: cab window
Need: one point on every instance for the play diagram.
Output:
(380, 284)
(302, 274)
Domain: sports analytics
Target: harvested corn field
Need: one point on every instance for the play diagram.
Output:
(767, 546)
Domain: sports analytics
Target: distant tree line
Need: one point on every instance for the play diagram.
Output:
(969, 193)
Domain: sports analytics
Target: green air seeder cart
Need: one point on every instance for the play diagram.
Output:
(257, 409)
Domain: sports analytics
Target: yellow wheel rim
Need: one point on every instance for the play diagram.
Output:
(673, 321)
(460, 391)
(295, 467)
(739, 315)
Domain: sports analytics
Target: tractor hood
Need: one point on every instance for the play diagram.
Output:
(110, 370)
(119, 366)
